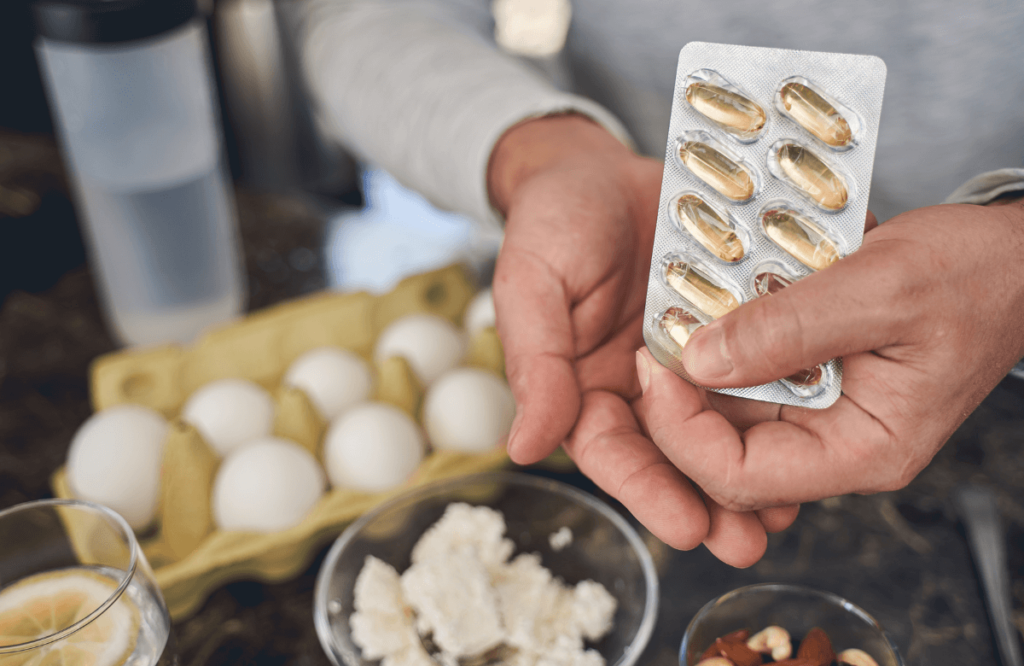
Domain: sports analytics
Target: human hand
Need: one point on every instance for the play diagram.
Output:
(928, 316)
(569, 289)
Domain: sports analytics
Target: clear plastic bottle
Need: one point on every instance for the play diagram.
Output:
(132, 97)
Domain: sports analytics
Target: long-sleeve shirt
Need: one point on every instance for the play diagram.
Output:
(419, 87)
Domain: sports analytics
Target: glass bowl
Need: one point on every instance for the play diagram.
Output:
(796, 609)
(604, 548)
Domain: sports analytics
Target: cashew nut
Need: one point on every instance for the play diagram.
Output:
(715, 661)
(774, 640)
(855, 657)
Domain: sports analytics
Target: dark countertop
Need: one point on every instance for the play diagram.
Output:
(902, 556)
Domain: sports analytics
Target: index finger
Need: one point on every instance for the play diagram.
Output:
(608, 448)
(536, 332)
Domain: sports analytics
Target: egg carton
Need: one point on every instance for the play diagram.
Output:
(190, 557)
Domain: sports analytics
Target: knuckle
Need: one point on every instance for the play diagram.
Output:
(893, 476)
(909, 458)
(731, 498)
(731, 489)
(662, 435)
(904, 475)
(634, 491)
(890, 483)
(877, 460)
(516, 375)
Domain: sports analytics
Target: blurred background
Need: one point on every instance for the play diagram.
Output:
(347, 225)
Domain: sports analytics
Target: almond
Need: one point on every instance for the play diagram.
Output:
(712, 651)
(734, 650)
(714, 661)
(816, 648)
(738, 653)
(738, 636)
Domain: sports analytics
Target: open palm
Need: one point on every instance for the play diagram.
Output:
(569, 288)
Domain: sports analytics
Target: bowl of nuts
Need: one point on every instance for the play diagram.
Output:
(785, 624)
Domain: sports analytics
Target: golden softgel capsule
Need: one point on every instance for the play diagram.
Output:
(713, 231)
(678, 325)
(699, 289)
(768, 283)
(808, 377)
(736, 114)
(816, 115)
(802, 238)
(729, 178)
(813, 177)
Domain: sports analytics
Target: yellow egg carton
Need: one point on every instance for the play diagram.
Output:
(189, 556)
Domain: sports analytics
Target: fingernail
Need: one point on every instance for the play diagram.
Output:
(516, 422)
(643, 371)
(706, 356)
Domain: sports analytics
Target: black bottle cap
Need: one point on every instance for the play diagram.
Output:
(109, 21)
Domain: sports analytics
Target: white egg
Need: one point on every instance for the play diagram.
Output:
(115, 458)
(229, 413)
(468, 410)
(266, 486)
(333, 378)
(372, 447)
(432, 345)
(480, 313)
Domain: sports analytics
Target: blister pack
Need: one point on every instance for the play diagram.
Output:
(767, 174)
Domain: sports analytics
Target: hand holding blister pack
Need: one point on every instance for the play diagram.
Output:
(766, 181)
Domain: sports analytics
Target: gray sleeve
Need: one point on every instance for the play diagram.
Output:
(982, 189)
(985, 187)
(420, 89)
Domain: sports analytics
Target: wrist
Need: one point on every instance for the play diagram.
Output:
(1008, 209)
(1011, 206)
(539, 144)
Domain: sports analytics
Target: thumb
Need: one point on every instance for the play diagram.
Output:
(846, 309)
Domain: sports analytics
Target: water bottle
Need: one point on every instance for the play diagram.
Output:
(131, 94)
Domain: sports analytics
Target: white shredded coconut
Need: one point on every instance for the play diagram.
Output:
(412, 656)
(481, 527)
(532, 603)
(454, 600)
(592, 609)
(561, 539)
(464, 595)
(382, 624)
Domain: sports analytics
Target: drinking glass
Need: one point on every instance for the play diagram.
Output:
(76, 590)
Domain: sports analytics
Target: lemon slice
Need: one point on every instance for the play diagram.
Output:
(43, 604)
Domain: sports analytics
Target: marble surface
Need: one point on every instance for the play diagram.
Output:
(902, 556)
